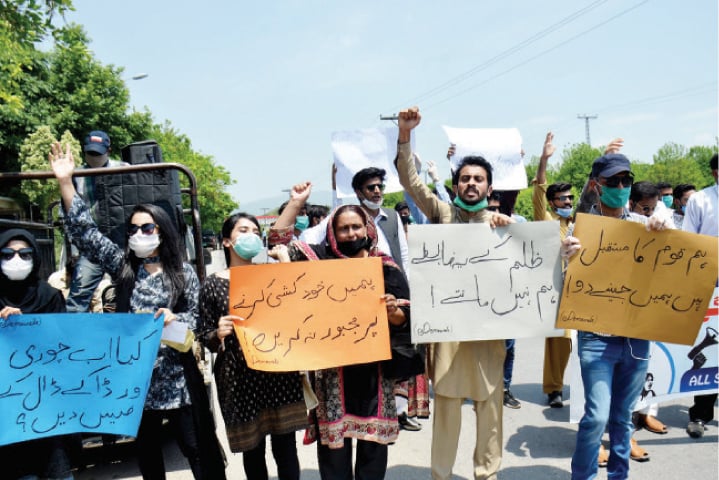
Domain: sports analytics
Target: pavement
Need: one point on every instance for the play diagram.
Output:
(538, 441)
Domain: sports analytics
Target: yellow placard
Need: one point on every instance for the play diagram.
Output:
(636, 283)
(310, 315)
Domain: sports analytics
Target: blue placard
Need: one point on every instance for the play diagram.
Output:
(80, 372)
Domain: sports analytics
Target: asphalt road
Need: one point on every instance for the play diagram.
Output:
(538, 442)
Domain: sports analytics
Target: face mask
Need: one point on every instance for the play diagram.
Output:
(684, 208)
(470, 208)
(668, 200)
(247, 245)
(564, 212)
(96, 161)
(143, 245)
(16, 268)
(302, 222)
(615, 197)
(351, 248)
(371, 205)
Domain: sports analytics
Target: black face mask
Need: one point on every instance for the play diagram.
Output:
(351, 248)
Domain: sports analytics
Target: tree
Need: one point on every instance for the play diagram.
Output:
(215, 203)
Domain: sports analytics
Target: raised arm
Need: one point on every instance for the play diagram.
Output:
(298, 197)
(62, 166)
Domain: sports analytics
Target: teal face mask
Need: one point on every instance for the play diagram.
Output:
(470, 208)
(302, 222)
(668, 200)
(247, 245)
(615, 197)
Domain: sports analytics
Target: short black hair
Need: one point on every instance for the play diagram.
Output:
(495, 196)
(365, 174)
(476, 161)
(642, 190)
(400, 206)
(681, 189)
(557, 187)
(663, 185)
(317, 211)
(713, 162)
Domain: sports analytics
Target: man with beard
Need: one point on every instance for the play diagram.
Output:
(460, 370)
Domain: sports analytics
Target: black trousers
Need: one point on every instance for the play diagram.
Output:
(149, 441)
(284, 450)
(703, 408)
(336, 464)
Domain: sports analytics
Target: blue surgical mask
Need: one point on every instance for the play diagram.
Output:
(615, 197)
(247, 245)
(302, 222)
(684, 208)
(564, 212)
(668, 200)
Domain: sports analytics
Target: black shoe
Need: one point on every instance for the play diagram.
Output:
(406, 423)
(696, 428)
(510, 401)
(554, 399)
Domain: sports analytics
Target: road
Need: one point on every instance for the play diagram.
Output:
(538, 441)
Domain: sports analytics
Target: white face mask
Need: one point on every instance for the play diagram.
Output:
(143, 245)
(371, 205)
(16, 268)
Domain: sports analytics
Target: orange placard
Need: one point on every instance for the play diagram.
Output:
(310, 315)
(634, 283)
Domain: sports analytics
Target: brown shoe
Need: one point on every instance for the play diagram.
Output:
(651, 423)
(637, 453)
(603, 457)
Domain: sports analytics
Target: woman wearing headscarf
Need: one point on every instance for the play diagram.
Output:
(356, 401)
(152, 277)
(22, 292)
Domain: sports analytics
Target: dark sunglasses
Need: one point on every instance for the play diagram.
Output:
(614, 181)
(147, 228)
(373, 187)
(9, 253)
(493, 208)
(564, 198)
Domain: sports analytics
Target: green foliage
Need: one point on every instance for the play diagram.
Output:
(33, 157)
(392, 199)
(212, 179)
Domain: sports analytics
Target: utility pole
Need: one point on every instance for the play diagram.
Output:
(586, 124)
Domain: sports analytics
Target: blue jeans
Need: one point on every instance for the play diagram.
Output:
(508, 362)
(85, 279)
(613, 373)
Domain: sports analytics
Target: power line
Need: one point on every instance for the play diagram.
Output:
(463, 76)
(540, 54)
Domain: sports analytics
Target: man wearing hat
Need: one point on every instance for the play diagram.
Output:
(613, 368)
(86, 276)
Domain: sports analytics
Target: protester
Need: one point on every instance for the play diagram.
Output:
(460, 370)
(254, 403)
(22, 292)
(702, 216)
(682, 192)
(613, 368)
(356, 401)
(151, 276)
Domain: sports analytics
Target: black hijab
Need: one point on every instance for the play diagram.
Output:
(31, 295)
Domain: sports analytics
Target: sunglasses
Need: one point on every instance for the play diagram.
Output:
(564, 198)
(373, 187)
(147, 228)
(493, 208)
(614, 181)
(9, 253)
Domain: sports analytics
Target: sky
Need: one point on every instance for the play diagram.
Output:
(261, 86)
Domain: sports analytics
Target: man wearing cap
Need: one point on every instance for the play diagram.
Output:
(86, 275)
(613, 368)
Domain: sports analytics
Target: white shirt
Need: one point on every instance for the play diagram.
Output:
(701, 214)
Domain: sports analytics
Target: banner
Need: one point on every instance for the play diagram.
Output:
(354, 150)
(310, 315)
(471, 282)
(634, 283)
(674, 371)
(501, 147)
(82, 372)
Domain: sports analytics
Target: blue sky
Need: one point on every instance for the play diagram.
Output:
(260, 86)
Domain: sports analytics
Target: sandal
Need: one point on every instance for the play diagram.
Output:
(637, 453)
(603, 457)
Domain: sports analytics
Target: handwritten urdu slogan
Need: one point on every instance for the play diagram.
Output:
(470, 282)
(81, 372)
(310, 315)
(630, 282)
